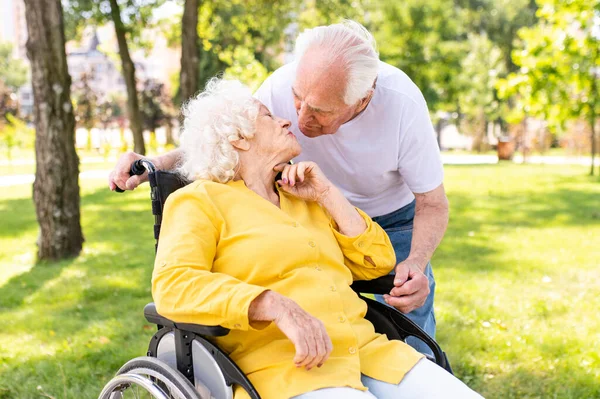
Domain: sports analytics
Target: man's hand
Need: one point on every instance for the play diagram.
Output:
(411, 287)
(119, 176)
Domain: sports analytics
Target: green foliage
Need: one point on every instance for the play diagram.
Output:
(245, 67)
(15, 134)
(479, 74)
(237, 33)
(500, 20)
(426, 40)
(245, 39)
(559, 64)
(13, 72)
(135, 14)
(313, 13)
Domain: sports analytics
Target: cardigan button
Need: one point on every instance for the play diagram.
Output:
(352, 350)
(312, 243)
(361, 244)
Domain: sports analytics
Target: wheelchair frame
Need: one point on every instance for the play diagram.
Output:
(386, 320)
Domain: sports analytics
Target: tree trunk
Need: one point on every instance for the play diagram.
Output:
(133, 108)
(169, 132)
(188, 78)
(56, 186)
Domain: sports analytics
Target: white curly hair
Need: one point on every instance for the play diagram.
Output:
(223, 112)
(351, 43)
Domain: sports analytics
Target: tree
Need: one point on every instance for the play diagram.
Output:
(86, 104)
(135, 118)
(13, 72)
(189, 74)
(240, 38)
(129, 17)
(477, 99)
(56, 186)
(427, 41)
(559, 66)
(156, 107)
(13, 75)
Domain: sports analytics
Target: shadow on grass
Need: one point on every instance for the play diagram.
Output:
(477, 216)
(18, 216)
(78, 371)
(116, 239)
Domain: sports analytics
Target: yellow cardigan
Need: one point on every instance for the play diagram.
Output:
(221, 245)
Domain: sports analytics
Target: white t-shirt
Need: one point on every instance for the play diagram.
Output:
(381, 157)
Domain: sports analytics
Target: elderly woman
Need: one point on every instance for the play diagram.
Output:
(274, 262)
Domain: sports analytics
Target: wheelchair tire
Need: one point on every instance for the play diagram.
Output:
(149, 370)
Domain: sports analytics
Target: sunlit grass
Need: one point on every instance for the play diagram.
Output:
(517, 302)
(519, 280)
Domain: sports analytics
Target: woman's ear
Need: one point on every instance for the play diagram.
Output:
(241, 144)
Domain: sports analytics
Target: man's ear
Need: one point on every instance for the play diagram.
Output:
(241, 144)
(362, 104)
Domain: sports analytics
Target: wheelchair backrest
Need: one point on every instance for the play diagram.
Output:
(163, 184)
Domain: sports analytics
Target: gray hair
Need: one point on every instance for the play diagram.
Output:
(351, 43)
(225, 111)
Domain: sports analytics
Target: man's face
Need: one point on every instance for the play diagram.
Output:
(318, 97)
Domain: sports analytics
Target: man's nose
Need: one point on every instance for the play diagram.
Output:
(303, 112)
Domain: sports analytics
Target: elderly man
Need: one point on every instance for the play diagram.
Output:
(366, 124)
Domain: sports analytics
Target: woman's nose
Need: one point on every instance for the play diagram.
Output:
(285, 123)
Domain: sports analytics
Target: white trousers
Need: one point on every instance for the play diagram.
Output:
(425, 380)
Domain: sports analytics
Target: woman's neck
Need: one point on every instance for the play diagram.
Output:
(260, 177)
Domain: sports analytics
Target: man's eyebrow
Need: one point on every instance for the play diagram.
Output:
(315, 109)
(294, 91)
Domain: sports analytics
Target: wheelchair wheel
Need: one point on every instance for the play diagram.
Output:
(148, 377)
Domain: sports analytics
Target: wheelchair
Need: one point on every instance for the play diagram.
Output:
(182, 362)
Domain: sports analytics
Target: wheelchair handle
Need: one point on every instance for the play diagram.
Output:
(138, 168)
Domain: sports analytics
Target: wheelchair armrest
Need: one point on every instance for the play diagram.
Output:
(381, 285)
(210, 331)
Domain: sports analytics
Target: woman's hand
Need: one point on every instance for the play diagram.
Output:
(307, 333)
(304, 180)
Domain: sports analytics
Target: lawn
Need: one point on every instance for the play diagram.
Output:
(517, 303)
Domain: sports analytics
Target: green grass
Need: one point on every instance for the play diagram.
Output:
(517, 302)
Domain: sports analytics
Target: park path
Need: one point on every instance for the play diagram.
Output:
(447, 158)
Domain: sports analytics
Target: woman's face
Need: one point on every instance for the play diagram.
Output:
(272, 137)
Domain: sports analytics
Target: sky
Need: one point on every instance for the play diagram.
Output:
(6, 21)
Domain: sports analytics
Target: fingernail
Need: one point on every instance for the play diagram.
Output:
(285, 181)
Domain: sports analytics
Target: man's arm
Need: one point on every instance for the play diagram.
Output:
(429, 226)
(119, 176)
(430, 223)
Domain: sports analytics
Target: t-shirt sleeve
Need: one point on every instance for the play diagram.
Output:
(419, 160)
